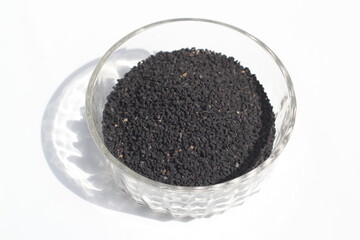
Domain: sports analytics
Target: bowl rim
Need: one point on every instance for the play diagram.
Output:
(100, 144)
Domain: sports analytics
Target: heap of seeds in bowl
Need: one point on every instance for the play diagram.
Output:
(189, 117)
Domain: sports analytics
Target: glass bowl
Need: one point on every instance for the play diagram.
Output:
(172, 35)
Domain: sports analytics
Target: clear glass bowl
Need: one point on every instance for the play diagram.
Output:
(172, 35)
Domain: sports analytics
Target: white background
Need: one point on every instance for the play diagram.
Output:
(314, 191)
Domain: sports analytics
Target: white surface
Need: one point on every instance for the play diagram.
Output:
(314, 190)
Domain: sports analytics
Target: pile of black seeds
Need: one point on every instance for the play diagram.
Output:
(190, 118)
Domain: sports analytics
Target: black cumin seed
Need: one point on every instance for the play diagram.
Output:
(190, 117)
